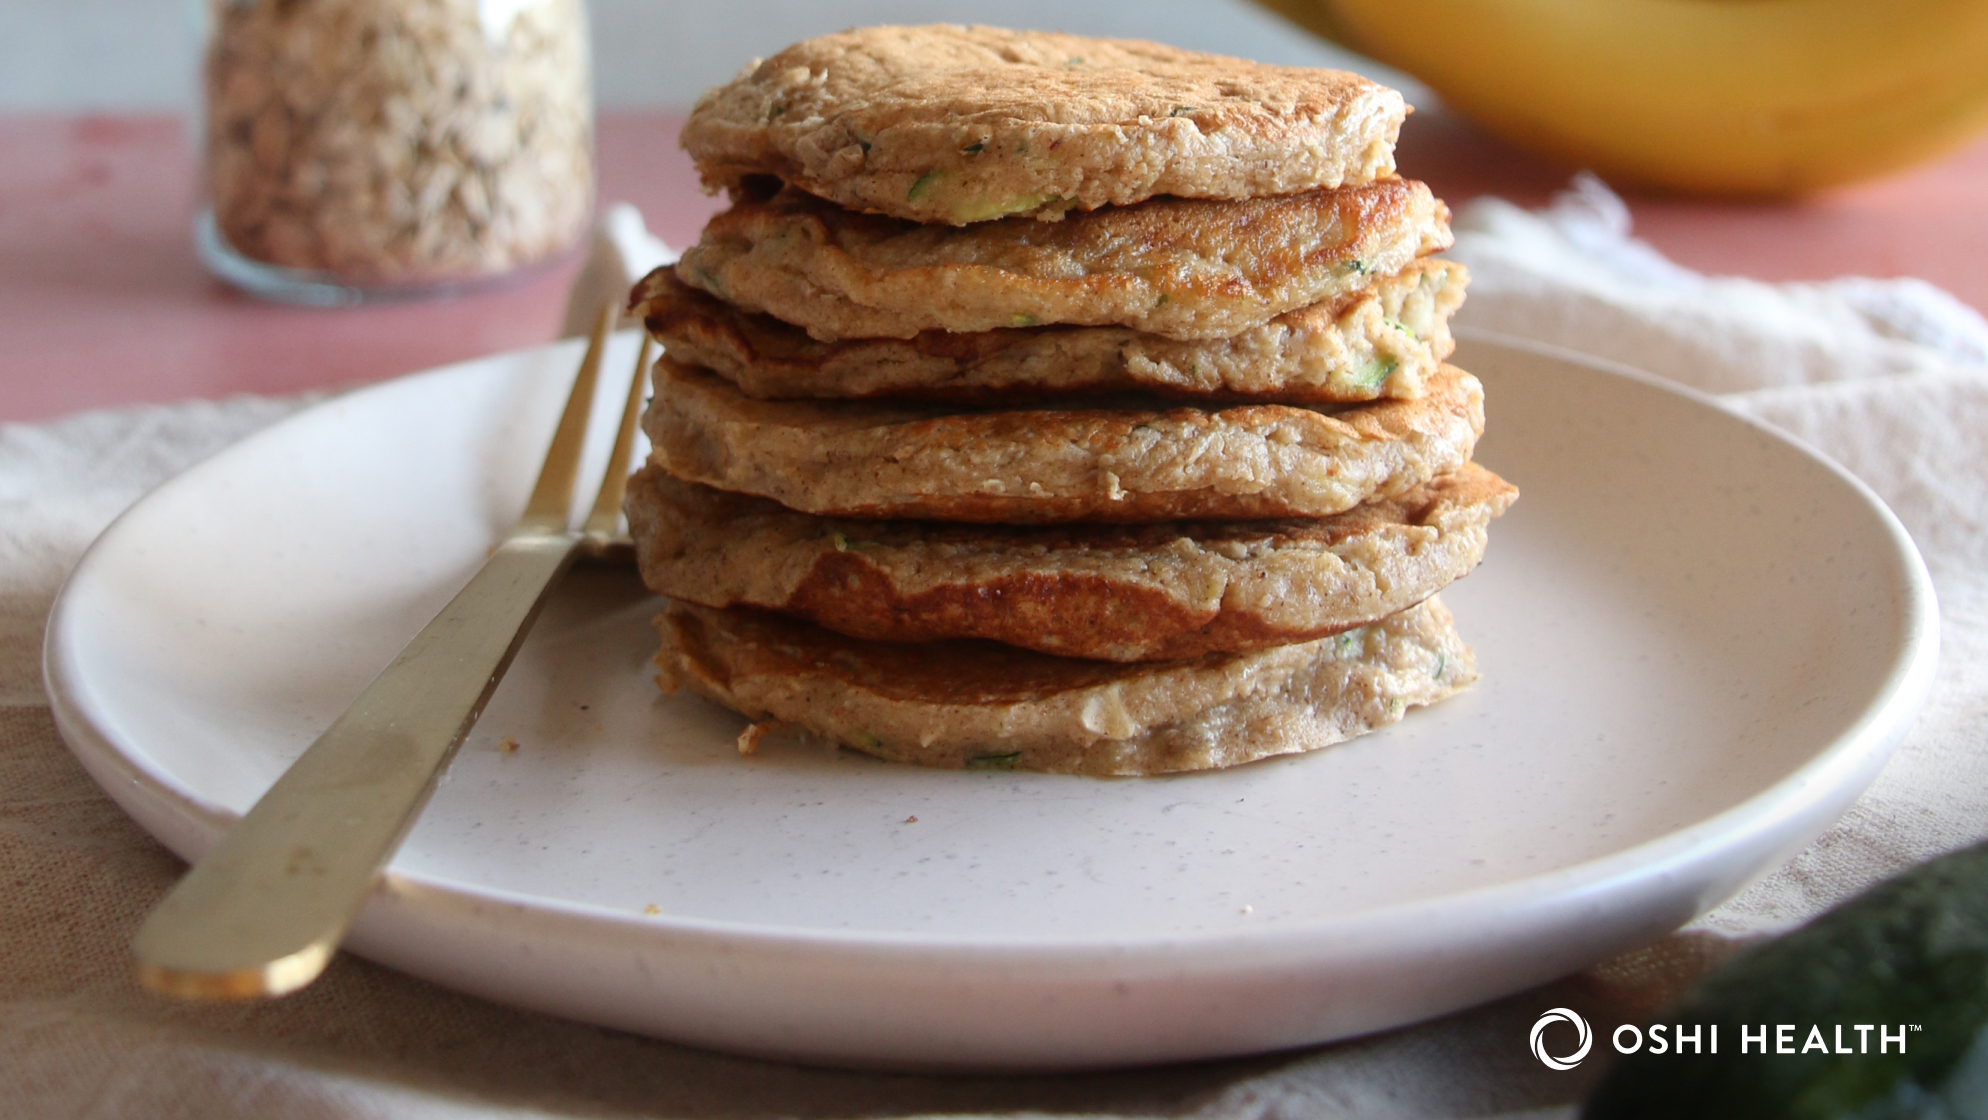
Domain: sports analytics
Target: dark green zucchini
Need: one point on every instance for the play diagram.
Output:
(1909, 956)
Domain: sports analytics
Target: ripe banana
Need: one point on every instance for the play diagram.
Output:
(1746, 97)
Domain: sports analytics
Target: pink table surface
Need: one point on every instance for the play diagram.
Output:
(102, 301)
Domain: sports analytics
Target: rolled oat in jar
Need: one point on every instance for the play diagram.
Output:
(390, 146)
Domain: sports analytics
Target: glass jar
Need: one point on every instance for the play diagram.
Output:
(369, 149)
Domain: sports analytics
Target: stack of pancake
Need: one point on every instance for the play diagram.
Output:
(1058, 403)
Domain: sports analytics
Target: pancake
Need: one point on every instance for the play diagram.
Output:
(1383, 341)
(1136, 462)
(963, 124)
(1182, 268)
(983, 705)
(1136, 593)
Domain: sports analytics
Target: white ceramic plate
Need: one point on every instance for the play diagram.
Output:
(1699, 643)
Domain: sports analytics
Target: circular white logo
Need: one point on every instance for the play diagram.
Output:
(1561, 1015)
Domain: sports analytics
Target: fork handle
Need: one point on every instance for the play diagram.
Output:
(262, 913)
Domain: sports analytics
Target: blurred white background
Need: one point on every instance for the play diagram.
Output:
(139, 54)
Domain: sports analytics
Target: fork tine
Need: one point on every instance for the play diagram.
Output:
(606, 515)
(551, 502)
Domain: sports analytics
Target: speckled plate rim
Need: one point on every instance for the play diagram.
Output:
(439, 928)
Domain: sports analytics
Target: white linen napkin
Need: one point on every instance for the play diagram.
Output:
(621, 252)
(1888, 376)
(1571, 274)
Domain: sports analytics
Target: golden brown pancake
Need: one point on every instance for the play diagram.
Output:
(1383, 341)
(1136, 463)
(1117, 593)
(1178, 267)
(979, 704)
(963, 124)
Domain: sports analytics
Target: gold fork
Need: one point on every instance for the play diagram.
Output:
(262, 913)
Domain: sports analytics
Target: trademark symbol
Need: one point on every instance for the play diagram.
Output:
(1916, 1027)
